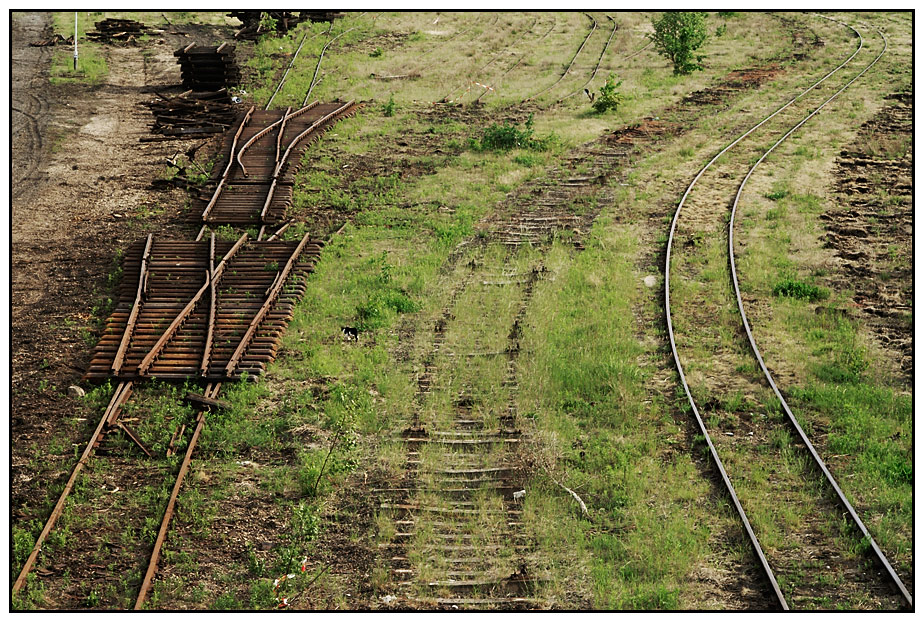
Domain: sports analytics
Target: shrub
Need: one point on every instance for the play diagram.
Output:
(677, 35)
(609, 97)
(389, 108)
(510, 136)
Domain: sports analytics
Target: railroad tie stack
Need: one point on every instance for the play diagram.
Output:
(208, 68)
(110, 30)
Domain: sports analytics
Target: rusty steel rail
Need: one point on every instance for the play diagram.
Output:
(670, 327)
(130, 325)
(760, 359)
(291, 62)
(212, 278)
(280, 281)
(176, 278)
(119, 397)
(593, 27)
(269, 128)
(213, 294)
(314, 78)
(599, 61)
(211, 392)
(224, 175)
(280, 162)
(343, 110)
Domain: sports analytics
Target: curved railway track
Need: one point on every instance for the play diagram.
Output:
(495, 57)
(593, 27)
(516, 64)
(714, 452)
(599, 60)
(255, 187)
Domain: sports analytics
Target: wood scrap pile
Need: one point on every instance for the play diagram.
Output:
(256, 25)
(109, 30)
(322, 16)
(54, 39)
(208, 68)
(191, 113)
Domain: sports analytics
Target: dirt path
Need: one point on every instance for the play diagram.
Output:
(29, 101)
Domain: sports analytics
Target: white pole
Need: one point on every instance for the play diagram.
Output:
(75, 40)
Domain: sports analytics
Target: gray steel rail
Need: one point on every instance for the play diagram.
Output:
(760, 359)
(670, 329)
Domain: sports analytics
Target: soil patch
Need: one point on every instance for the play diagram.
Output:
(870, 228)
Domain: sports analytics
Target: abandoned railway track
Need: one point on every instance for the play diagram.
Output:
(261, 159)
(703, 214)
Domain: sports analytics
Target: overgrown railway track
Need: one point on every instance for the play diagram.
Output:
(703, 216)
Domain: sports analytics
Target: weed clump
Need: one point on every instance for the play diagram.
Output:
(510, 136)
(388, 109)
(793, 288)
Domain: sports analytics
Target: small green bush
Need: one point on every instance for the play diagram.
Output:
(389, 108)
(510, 136)
(792, 288)
(609, 98)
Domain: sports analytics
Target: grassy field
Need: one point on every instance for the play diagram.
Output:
(281, 482)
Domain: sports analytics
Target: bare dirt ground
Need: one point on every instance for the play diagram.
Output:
(871, 229)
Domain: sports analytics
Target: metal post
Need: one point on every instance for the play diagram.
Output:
(75, 40)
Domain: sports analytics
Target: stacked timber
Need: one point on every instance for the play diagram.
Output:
(208, 68)
(322, 16)
(191, 113)
(110, 30)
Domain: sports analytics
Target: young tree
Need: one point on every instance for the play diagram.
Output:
(677, 35)
(609, 97)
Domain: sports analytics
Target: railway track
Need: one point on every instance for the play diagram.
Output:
(700, 212)
(477, 73)
(593, 27)
(261, 158)
(458, 538)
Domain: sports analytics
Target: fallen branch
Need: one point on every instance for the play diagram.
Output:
(569, 491)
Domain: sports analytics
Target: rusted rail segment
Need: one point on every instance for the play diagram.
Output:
(106, 422)
(211, 392)
(175, 335)
(255, 187)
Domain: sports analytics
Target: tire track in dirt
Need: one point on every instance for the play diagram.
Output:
(29, 103)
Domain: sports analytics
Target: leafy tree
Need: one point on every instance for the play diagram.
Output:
(677, 35)
(609, 96)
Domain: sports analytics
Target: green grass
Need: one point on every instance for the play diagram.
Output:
(793, 288)
(91, 65)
